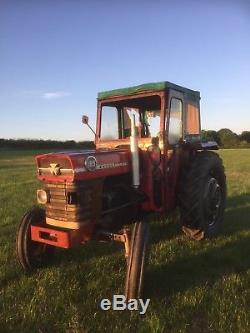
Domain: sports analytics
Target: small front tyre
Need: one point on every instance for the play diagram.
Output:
(32, 254)
(137, 261)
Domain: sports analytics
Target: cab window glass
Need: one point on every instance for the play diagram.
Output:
(151, 123)
(116, 117)
(147, 122)
(175, 121)
(192, 119)
(127, 117)
(109, 124)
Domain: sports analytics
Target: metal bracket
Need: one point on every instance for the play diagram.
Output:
(123, 237)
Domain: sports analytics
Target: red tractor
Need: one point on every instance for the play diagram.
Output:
(149, 157)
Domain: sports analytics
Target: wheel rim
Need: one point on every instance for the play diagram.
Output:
(31, 254)
(212, 201)
(35, 251)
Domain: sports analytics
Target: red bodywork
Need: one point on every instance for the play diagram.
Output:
(103, 157)
(60, 238)
(113, 158)
(76, 161)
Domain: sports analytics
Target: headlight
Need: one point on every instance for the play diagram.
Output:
(90, 163)
(42, 196)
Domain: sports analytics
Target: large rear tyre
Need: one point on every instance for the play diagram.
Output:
(202, 196)
(32, 254)
(137, 261)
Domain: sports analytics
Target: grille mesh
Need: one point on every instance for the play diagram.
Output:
(85, 207)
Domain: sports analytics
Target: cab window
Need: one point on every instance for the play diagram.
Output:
(151, 123)
(192, 119)
(109, 126)
(175, 121)
(116, 118)
(128, 113)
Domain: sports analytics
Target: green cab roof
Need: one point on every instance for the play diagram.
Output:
(155, 86)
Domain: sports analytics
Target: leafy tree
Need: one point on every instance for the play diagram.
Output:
(210, 135)
(228, 138)
(245, 136)
(244, 144)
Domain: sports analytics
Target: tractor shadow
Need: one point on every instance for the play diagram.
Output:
(237, 215)
(86, 252)
(62, 258)
(209, 265)
(167, 229)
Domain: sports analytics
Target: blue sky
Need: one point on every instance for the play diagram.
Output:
(56, 55)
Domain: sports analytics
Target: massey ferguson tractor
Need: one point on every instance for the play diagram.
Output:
(149, 158)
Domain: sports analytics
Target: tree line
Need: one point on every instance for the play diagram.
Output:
(44, 144)
(227, 138)
(224, 137)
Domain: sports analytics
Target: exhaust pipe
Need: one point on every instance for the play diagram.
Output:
(134, 154)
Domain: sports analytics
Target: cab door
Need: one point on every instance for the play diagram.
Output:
(174, 134)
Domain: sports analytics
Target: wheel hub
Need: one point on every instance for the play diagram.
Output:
(212, 200)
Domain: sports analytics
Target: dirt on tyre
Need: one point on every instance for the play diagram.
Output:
(137, 261)
(32, 254)
(202, 196)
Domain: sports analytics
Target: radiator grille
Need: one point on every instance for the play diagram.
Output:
(79, 202)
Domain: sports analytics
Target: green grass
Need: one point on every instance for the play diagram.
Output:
(193, 286)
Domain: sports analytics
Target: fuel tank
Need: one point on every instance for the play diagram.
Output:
(73, 166)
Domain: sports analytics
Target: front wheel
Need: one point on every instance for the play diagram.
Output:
(137, 261)
(32, 254)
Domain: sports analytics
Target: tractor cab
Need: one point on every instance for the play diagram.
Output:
(167, 120)
(165, 113)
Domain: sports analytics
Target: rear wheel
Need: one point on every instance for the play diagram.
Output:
(32, 254)
(137, 261)
(202, 196)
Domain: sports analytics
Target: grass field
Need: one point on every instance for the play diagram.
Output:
(193, 286)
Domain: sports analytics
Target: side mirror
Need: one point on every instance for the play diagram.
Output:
(85, 120)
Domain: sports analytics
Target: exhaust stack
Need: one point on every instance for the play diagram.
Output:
(134, 154)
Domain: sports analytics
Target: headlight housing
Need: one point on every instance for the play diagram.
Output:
(90, 163)
(42, 196)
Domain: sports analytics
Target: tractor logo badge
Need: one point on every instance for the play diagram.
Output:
(54, 169)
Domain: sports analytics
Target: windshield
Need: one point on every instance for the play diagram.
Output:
(116, 118)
